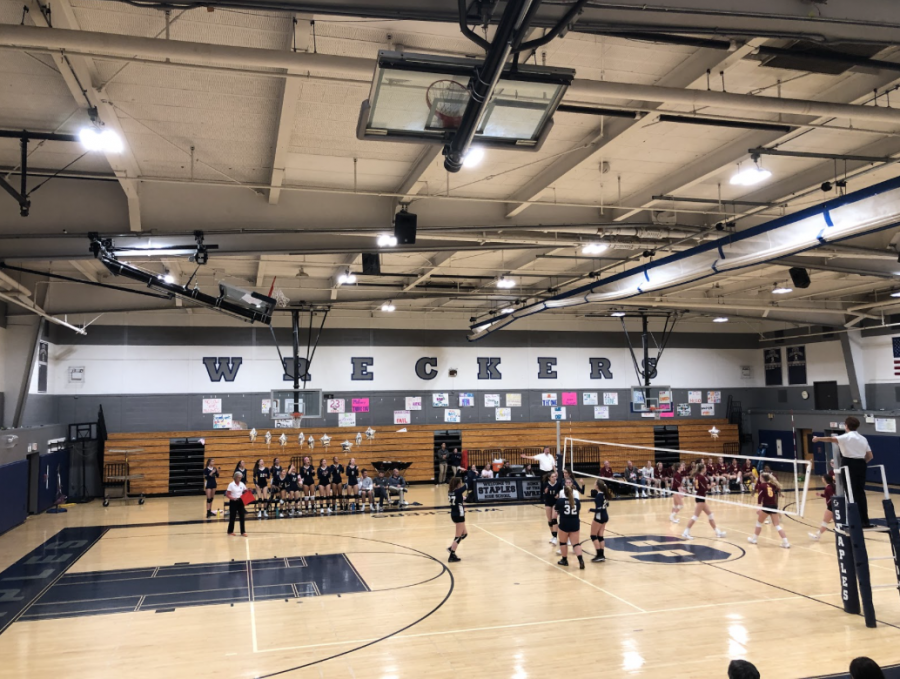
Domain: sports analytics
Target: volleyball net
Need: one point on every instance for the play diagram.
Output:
(587, 459)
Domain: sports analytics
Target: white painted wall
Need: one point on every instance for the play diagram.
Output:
(878, 359)
(155, 369)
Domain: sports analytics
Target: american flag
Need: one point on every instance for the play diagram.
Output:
(895, 342)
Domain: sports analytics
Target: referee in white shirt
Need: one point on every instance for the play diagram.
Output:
(545, 460)
(855, 455)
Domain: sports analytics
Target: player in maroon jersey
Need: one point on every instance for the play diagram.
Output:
(734, 474)
(828, 479)
(677, 488)
(747, 477)
(701, 488)
(767, 491)
(662, 484)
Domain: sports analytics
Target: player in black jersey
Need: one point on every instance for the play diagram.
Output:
(568, 509)
(210, 474)
(239, 467)
(293, 489)
(323, 487)
(279, 485)
(601, 517)
(457, 499)
(276, 494)
(551, 485)
(261, 481)
(337, 483)
(352, 483)
(308, 483)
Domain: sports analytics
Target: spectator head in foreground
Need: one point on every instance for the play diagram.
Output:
(863, 667)
(741, 669)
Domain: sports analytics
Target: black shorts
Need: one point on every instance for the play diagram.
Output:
(550, 503)
(323, 486)
(700, 499)
(352, 484)
(570, 527)
(293, 488)
(307, 483)
(458, 519)
(210, 486)
(601, 517)
(262, 483)
(769, 510)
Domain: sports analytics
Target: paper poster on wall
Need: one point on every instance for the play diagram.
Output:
(347, 420)
(503, 414)
(492, 400)
(414, 403)
(695, 397)
(665, 397)
(570, 398)
(222, 421)
(707, 410)
(402, 417)
(212, 406)
(637, 396)
(590, 398)
(452, 415)
(466, 399)
(336, 405)
(667, 413)
(440, 400)
(610, 398)
(684, 410)
(514, 400)
(886, 425)
(713, 396)
(360, 405)
(601, 412)
(548, 400)
(558, 413)
(266, 404)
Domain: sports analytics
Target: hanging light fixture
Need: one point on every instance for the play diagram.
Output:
(752, 175)
(594, 248)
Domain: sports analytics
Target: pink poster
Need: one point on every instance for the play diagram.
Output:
(360, 405)
(570, 398)
(667, 413)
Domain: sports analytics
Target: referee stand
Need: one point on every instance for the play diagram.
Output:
(850, 541)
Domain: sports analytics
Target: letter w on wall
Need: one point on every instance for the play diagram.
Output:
(226, 367)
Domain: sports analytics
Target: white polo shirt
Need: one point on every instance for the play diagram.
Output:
(546, 461)
(235, 490)
(853, 445)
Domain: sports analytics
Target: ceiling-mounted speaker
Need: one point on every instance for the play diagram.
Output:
(371, 264)
(800, 277)
(405, 228)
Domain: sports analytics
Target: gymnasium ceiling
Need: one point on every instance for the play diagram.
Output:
(269, 167)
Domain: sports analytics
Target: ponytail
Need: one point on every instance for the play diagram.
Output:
(570, 497)
(602, 487)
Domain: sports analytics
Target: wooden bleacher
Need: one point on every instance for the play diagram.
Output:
(416, 445)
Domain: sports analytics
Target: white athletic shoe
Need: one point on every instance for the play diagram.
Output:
(553, 541)
(752, 539)
(720, 533)
(767, 521)
(814, 536)
(785, 544)
(728, 491)
(673, 518)
(559, 551)
(686, 535)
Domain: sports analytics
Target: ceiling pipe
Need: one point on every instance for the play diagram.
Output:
(708, 305)
(26, 37)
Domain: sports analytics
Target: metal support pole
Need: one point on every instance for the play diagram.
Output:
(559, 454)
(295, 354)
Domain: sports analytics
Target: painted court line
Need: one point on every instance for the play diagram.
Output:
(251, 597)
(571, 575)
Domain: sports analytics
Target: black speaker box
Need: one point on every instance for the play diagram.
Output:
(405, 228)
(800, 277)
(371, 264)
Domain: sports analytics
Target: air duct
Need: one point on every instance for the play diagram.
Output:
(872, 209)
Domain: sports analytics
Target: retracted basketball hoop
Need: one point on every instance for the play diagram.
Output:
(446, 100)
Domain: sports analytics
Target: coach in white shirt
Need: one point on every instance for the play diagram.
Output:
(855, 455)
(545, 460)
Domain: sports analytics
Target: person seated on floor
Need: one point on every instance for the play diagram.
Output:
(631, 475)
(397, 486)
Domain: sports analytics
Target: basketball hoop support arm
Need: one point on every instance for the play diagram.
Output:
(649, 367)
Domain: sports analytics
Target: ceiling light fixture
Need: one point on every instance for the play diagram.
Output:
(473, 157)
(720, 319)
(387, 240)
(783, 290)
(751, 176)
(594, 248)
(895, 294)
(347, 278)
(617, 314)
(504, 282)
(388, 306)
(105, 141)
(507, 310)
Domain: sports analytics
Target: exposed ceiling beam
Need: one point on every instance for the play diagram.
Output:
(411, 184)
(829, 266)
(685, 74)
(80, 74)
(436, 262)
(86, 270)
(346, 263)
(856, 90)
(301, 30)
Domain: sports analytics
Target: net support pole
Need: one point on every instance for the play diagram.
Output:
(559, 452)
(295, 327)
(893, 533)
(846, 565)
(861, 560)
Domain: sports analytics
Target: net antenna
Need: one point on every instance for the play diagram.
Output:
(583, 457)
(646, 370)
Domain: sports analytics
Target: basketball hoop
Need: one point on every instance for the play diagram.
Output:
(447, 99)
(281, 298)
(296, 420)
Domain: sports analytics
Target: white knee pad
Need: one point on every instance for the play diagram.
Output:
(711, 516)
(824, 524)
(695, 518)
(758, 524)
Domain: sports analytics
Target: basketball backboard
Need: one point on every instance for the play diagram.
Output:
(286, 402)
(421, 98)
(654, 399)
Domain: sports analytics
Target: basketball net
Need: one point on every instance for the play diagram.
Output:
(296, 420)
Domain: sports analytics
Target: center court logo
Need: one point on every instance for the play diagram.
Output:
(666, 549)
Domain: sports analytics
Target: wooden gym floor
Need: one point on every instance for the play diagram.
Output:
(163, 594)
